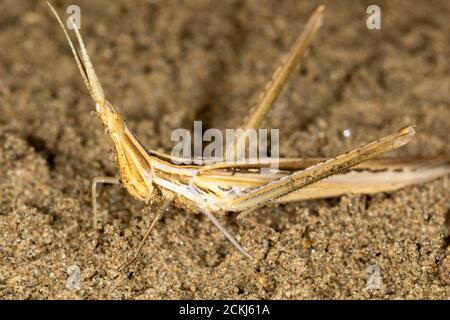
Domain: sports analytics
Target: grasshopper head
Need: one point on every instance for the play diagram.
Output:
(135, 169)
(113, 121)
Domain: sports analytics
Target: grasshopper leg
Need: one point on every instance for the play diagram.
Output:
(273, 88)
(227, 234)
(159, 214)
(321, 170)
(141, 244)
(95, 182)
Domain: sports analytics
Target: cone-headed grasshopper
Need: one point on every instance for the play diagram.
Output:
(237, 187)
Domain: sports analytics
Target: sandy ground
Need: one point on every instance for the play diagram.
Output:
(167, 63)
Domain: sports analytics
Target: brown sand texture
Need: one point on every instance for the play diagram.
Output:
(165, 64)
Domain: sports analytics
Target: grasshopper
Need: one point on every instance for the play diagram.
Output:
(217, 188)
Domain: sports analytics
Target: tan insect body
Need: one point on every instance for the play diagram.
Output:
(222, 187)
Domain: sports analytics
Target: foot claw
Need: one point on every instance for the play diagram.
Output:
(127, 263)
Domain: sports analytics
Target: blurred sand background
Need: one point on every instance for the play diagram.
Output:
(167, 63)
